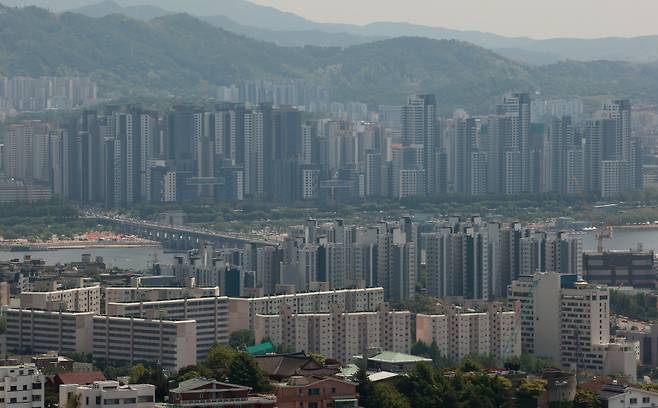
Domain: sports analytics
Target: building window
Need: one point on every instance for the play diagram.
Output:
(633, 401)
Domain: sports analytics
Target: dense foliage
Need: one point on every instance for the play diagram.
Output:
(638, 306)
(41, 220)
(427, 387)
(140, 58)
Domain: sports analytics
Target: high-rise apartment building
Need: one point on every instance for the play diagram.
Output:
(460, 332)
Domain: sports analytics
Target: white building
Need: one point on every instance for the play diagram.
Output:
(172, 344)
(85, 299)
(210, 313)
(108, 394)
(570, 325)
(22, 386)
(539, 306)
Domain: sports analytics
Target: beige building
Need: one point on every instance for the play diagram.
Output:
(460, 332)
(243, 311)
(146, 294)
(41, 331)
(83, 299)
(22, 386)
(5, 294)
(210, 313)
(108, 394)
(170, 343)
(338, 335)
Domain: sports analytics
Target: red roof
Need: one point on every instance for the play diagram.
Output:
(81, 378)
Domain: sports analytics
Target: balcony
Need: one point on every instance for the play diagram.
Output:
(260, 399)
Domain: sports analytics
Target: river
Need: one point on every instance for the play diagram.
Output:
(624, 239)
(135, 259)
(142, 258)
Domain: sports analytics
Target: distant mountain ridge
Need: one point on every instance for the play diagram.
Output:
(183, 56)
(270, 24)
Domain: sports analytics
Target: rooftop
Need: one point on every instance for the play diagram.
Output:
(392, 357)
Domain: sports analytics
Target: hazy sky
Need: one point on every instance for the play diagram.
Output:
(534, 18)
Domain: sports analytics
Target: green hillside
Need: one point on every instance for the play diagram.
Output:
(181, 55)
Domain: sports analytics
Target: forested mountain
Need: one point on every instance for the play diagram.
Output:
(179, 54)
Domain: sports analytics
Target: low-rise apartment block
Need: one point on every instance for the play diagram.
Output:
(338, 335)
(171, 343)
(108, 394)
(210, 313)
(22, 386)
(244, 310)
(148, 294)
(40, 331)
(460, 332)
(132, 340)
(84, 299)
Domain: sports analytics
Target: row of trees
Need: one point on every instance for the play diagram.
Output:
(427, 387)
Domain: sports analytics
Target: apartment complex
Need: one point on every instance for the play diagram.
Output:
(338, 335)
(171, 343)
(41, 331)
(22, 386)
(84, 299)
(210, 313)
(108, 394)
(243, 311)
(580, 314)
(131, 340)
(460, 332)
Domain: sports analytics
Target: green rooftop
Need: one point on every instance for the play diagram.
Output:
(261, 349)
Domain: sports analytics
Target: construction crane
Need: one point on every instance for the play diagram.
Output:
(600, 234)
(601, 231)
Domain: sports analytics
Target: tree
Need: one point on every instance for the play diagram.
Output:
(421, 349)
(586, 399)
(241, 339)
(139, 374)
(51, 398)
(470, 364)
(319, 359)
(425, 387)
(529, 363)
(366, 390)
(388, 397)
(245, 371)
(529, 391)
(219, 359)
